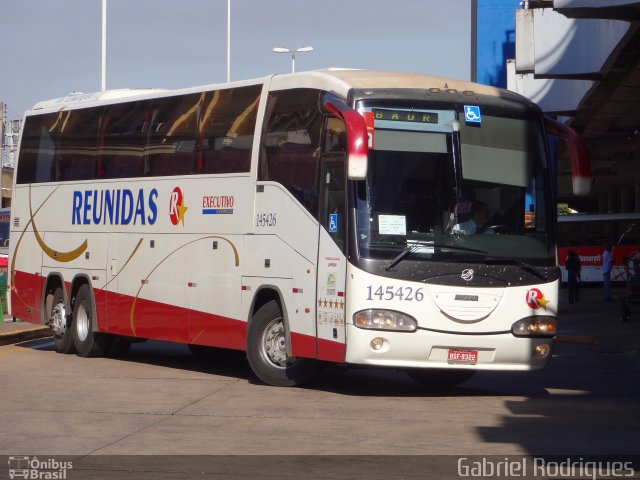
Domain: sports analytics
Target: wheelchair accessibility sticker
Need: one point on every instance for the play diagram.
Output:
(333, 222)
(472, 114)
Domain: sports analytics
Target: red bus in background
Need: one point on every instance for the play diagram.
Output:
(587, 234)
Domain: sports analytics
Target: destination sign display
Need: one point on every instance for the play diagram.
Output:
(405, 116)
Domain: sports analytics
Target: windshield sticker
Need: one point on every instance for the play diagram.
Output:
(333, 223)
(392, 224)
(472, 114)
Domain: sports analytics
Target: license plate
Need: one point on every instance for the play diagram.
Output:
(462, 356)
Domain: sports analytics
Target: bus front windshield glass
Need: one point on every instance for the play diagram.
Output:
(455, 192)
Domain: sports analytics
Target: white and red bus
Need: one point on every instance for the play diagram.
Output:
(302, 218)
(587, 234)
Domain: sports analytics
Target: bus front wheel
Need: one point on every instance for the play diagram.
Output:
(267, 350)
(87, 342)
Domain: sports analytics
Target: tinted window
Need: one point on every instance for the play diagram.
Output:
(172, 137)
(122, 141)
(570, 234)
(335, 136)
(77, 145)
(291, 144)
(37, 149)
(599, 232)
(226, 130)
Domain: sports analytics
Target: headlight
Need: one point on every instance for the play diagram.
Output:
(384, 320)
(540, 326)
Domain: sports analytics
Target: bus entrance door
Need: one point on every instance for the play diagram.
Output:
(332, 263)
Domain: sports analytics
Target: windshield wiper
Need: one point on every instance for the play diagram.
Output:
(515, 261)
(413, 245)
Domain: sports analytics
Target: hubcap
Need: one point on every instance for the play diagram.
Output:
(58, 320)
(274, 343)
(82, 323)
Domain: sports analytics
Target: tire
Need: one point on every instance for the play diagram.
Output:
(87, 342)
(439, 378)
(59, 322)
(266, 350)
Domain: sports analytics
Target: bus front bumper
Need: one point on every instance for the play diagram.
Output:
(428, 349)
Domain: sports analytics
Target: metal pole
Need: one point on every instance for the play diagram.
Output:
(293, 61)
(474, 41)
(228, 40)
(104, 45)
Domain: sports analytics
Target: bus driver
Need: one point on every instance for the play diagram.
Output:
(479, 219)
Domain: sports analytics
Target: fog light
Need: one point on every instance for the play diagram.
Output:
(541, 350)
(377, 343)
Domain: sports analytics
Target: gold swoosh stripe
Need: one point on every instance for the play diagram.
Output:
(50, 252)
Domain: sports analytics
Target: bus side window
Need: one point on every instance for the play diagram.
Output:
(335, 136)
(226, 130)
(123, 137)
(172, 136)
(38, 148)
(291, 144)
(333, 204)
(77, 144)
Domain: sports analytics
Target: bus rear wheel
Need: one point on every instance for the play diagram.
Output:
(87, 342)
(59, 321)
(439, 378)
(267, 350)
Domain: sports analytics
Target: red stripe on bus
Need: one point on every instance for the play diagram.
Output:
(303, 345)
(161, 321)
(331, 351)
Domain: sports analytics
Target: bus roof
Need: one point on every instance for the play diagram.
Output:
(338, 80)
(78, 98)
(345, 79)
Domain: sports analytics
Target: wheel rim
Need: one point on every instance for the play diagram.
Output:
(274, 343)
(58, 320)
(82, 323)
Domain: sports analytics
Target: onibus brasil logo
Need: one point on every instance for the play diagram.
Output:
(38, 469)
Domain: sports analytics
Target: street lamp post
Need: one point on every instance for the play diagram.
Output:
(293, 54)
(104, 46)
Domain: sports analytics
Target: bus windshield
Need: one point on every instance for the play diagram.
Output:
(466, 192)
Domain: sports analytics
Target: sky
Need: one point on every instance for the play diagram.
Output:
(50, 48)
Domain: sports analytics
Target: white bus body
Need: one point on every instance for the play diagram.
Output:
(291, 224)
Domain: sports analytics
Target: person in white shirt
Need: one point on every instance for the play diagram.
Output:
(607, 266)
(479, 219)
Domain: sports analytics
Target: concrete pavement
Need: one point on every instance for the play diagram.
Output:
(596, 322)
(15, 332)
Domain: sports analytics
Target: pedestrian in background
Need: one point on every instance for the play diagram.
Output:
(607, 265)
(573, 266)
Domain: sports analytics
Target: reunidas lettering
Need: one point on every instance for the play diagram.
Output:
(114, 207)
